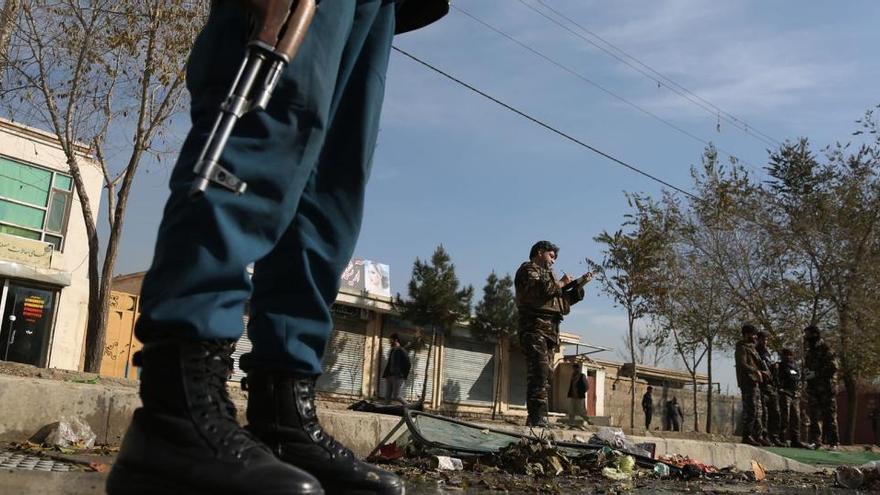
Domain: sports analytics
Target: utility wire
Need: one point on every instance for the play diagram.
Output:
(601, 88)
(654, 75)
(545, 125)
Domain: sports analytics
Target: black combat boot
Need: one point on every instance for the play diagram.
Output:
(186, 440)
(281, 412)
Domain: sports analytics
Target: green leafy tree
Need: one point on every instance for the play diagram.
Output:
(436, 299)
(628, 271)
(830, 211)
(107, 74)
(495, 317)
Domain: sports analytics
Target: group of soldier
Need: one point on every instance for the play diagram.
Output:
(771, 391)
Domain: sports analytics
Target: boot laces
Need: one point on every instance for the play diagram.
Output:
(212, 404)
(309, 415)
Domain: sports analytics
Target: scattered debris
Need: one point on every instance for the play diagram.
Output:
(691, 465)
(446, 463)
(866, 476)
(758, 470)
(69, 432)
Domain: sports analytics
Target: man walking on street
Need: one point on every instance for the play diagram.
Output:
(789, 378)
(305, 160)
(648, 406)
(396, 371)
(820, 372)
(769, 395)
(749, 378)
(542, 301)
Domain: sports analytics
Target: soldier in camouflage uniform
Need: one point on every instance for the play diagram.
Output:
(542, 300)
(749, 376)
(788, 378)
(769, 392)
(820, 372)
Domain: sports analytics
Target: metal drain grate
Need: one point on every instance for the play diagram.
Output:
(13, 460)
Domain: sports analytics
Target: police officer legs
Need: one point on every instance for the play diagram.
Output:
(306, 159)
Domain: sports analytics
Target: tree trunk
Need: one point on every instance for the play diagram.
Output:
(496, 401)
(696, 413)
(709, 393)
(428, 363)
(852, 402)
(632, 388)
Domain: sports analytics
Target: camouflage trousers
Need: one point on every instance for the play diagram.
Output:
(822, 407)
(538, 350)
(751, 411)
(789, 417)
(770, 417)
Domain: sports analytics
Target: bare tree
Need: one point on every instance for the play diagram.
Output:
(108, 73)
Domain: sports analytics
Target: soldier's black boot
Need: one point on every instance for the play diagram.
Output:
(281, 412)
(186, 440)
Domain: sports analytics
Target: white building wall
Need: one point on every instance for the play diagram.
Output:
(39, 148)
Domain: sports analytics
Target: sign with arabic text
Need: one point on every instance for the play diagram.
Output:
(26, 251)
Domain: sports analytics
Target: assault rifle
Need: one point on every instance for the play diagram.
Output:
(280, 26)
(572, 287)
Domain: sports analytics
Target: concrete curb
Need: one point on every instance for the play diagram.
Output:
(31, 403)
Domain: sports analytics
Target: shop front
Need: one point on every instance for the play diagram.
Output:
(28, 319)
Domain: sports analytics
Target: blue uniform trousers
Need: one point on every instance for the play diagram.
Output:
(306, 160)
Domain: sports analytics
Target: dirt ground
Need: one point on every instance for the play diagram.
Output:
(425, 480)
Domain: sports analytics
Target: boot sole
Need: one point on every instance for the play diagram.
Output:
(126, 481)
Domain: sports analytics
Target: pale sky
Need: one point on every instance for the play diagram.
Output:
(454, 168)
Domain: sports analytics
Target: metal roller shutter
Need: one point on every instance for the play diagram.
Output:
(241, 347)
(412, 389)
(468, 372)
(516, 393)
(344, 360)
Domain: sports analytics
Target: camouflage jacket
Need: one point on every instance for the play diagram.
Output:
(748, 365)
(820, 364)
(537, 292)
(540, 302)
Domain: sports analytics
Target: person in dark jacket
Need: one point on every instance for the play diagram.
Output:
(577, 394)
(396, 371)
(648, 406)
(674, 415)
(788, 378)
(769, 394)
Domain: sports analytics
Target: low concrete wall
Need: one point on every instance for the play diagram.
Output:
(31, 403)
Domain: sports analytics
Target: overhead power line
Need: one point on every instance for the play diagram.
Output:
(600, 87)
(546, 125)
(651, 73)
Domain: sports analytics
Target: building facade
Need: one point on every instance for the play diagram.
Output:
(43, 249)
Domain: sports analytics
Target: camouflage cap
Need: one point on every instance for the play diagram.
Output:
(543, 246)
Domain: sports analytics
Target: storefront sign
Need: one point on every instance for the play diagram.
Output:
(26, 251)
(32, 309)
(367, 276)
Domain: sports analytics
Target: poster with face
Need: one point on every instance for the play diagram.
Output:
(377, 278)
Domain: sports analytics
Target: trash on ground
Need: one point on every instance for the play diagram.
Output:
(615, 474)
(661, 470)
(758, 470)
(446, 463)
(692, 465)
(69, 432)
(616, 439)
